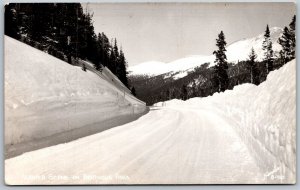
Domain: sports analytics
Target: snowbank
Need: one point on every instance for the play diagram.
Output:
(45, 96)
(265, 118)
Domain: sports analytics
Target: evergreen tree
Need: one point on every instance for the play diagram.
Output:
(116, 66)
(168, 94)
(268, 52)
(91, 40)
(41, 22)
(173, 94)
(293, 37)
(112, 58)
(69, 28)
(253, 67)
(106, 49)
(285, 42)
(184, 92)
(288, 42)
(133, 92)
(83, 67)
(122, 65)
(221, 67)
(194, 89)
(100, 52)
(10, 23)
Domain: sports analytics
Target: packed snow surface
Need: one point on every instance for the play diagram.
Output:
(245, 135)
(237, 51)
(45, 96)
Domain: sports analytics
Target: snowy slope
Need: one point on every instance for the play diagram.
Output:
(157, 68)
(150, 67)
(246, 135)
(107, 75)
(240, 50)
(237, 51)
(45, 96)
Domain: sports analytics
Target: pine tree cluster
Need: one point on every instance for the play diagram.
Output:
(288, 42)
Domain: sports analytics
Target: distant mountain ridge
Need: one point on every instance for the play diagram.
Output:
(236, 51)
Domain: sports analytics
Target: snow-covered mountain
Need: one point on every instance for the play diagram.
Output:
(237, 51)
(156, 68)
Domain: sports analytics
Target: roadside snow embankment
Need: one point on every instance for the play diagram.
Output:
(265, 118)
(45, 96)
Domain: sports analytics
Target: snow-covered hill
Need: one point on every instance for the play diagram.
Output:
(157, 68)
(246, 135)
(237, 51)
(45, 96)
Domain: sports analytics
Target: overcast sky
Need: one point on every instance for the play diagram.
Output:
(169, 31)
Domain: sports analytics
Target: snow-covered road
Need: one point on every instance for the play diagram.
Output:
(168, 145)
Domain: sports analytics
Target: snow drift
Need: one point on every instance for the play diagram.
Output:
(265, 118)
(45, 96)
(237, 51)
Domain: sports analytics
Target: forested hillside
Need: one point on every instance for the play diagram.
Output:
(220, 75)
